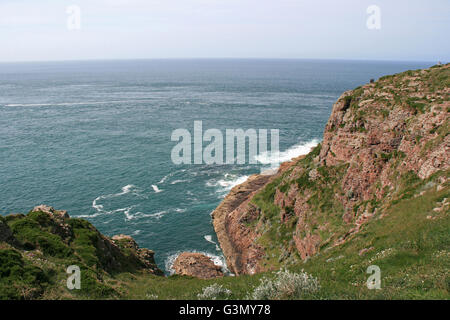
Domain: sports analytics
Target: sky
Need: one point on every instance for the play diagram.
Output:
(35, 30)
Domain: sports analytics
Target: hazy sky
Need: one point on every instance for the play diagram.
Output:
(122, 29)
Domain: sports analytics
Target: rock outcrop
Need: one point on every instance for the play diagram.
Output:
(380, 137)
(236, 240)
(55, 214)
(55, 233)
(196, 265)
(144, 256)
(38, 247)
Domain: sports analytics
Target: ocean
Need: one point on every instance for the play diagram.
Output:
(94, 137)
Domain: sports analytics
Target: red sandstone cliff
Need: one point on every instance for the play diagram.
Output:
(378, 136)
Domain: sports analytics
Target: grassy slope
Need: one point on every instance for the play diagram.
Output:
(413, 252)
(34, 264)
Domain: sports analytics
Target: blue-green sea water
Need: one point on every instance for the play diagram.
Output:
(94, 137)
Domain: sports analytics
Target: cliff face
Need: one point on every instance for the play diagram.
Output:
(229, 220)
(381, 139)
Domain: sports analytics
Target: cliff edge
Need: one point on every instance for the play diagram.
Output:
(384, 142)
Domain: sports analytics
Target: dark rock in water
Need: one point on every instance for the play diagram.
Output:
(196, 265)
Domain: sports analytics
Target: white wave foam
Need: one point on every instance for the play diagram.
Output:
(223, 186)
(164, 179)
(127, 213)
(156, 189)
(274, 160)
(210, 240)
(99, 208)
(157, 215)
(231, 184)
(88, 215)
(96, 206)
(126, 189)
(293, 152)
(178, 181)
(227, 183)
(140, 215)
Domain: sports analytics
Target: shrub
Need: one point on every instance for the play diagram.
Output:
(347, 102)
(265, 291)
(416, 106)
(30, 234)
(286, 285)
(41, 217)
(10, 260)
(93, 286)
(214, 292)
(52, 245)
(18, 280)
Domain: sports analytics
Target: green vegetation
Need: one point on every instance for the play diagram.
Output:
(416, 106)
(33, 261)
(19, 279)
(411, 245)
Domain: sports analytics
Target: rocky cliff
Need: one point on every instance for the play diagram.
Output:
(381, 139)
(37, 248)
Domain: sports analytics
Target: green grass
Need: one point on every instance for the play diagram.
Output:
(34, 264)
(417, 268)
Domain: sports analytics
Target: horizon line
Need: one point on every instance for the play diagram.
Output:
(219, 58)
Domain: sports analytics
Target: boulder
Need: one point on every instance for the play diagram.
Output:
(57, 214)
(196, 265)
